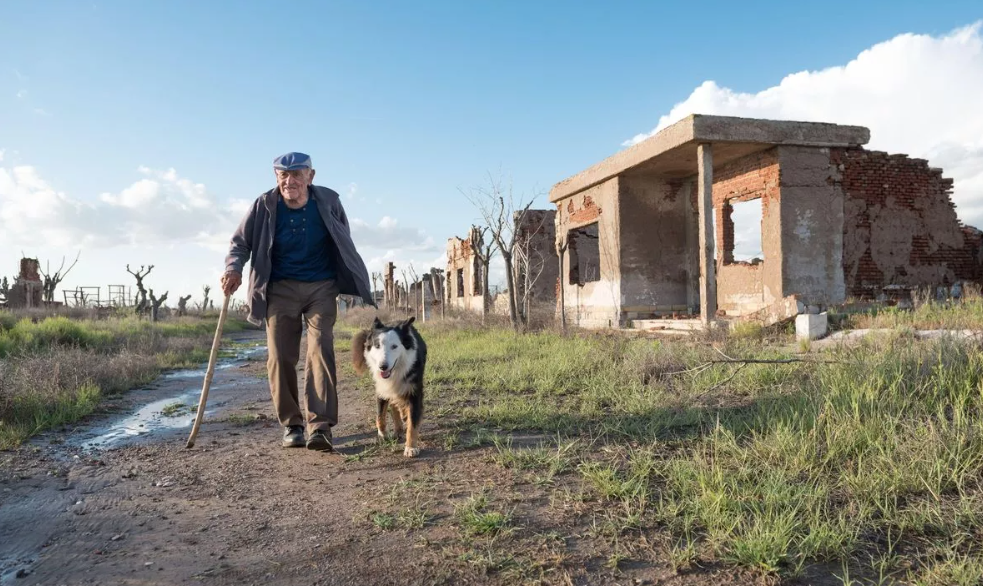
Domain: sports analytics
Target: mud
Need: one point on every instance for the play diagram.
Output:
(120, 500)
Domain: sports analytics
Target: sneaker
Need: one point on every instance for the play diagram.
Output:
(320, 440)
(293, 436)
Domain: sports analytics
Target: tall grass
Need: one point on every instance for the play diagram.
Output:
(873, 462)
(927, 314)
(56, 370)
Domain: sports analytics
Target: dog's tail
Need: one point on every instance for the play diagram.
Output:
(358, 352)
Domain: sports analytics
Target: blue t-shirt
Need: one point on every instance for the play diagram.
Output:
(301, 244)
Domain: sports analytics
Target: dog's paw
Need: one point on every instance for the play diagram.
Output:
(411, 452)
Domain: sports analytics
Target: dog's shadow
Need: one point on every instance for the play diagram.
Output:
(359, 446)
(354, 444)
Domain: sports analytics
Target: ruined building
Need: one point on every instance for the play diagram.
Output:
(650, 231)
(28, 288)
(464, 287)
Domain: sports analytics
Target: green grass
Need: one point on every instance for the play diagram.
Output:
(926, 315)
(24, 336)
(28, 415)
(475, 518)
(55, 371)
(768, 467)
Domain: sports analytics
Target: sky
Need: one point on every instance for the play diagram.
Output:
(139, 132)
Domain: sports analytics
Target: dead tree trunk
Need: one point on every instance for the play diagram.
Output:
(155, 304)
(182, 305)
(561, 250)
(52, 280)
(142, 293)
(483, 251)
(204, 303)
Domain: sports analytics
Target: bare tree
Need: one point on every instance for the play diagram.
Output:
(52, 280)
(4, 289)
(501, 212)
(376, 278)
(141, 292)
(155, 304)
(182, 305)
(483, 250)
(412, 281)
(206, 289)
(436, 284)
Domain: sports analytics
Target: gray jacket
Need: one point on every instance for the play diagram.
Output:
(253, 241)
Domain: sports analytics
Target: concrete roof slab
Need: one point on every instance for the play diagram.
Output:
(673, 143)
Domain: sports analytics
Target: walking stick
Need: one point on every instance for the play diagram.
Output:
(209, 373)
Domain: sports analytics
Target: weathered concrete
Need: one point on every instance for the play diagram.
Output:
(708, 278)
(811, 228)
(597, 303)
(747, 134)
(654, 253)
(810, 326)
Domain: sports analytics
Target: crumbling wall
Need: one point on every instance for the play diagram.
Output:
(28, 288)
(655, 268)
(811, 227)
(536, 239)
(596, 303)
(463, 269)
(746, 287)
(900, 225)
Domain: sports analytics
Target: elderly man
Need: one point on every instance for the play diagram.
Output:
(297, 239)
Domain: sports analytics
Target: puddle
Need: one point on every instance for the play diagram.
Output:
(242, 355)
(152, 418)
(170, 413)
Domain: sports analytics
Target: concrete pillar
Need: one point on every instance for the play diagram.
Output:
(708, 277)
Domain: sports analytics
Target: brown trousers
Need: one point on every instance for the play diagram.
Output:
(290, 304)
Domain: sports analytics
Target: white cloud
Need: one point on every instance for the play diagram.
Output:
(2, 151)
(918, 94)
(386, 236)
(163, 210)
(21, 94)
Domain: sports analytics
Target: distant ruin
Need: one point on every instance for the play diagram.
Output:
(27, 292)
(464, 288)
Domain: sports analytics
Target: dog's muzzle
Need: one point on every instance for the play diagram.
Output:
(388, 372)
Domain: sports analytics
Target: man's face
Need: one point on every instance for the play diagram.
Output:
(293, 184)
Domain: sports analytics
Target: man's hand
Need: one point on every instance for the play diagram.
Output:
(230, 282)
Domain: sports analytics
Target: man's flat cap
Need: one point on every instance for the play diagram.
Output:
(291, 161)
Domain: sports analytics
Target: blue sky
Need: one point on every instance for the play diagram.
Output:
(400, 104)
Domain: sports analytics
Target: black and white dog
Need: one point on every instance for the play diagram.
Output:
(396, 356)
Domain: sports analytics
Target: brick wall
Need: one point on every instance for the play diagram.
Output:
(751, 177)
(900, 225)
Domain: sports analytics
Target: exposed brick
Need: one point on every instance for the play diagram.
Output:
(590, 212)
(876, 181)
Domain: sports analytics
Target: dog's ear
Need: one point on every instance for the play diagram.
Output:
(406, 323)
(359, 341)
(377, 324)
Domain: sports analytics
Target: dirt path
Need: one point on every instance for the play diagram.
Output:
(239, 509)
